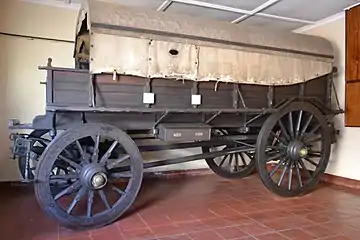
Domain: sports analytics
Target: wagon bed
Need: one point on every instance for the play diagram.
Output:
(267, 107)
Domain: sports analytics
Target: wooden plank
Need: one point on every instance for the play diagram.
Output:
(353, 44)
(352, 106)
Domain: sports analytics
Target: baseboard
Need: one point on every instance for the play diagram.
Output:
(341, 181)
(179, 173)
(327, 178)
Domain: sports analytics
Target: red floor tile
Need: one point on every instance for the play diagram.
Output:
(140, 233)
(254, 229)
(231, 232)
(319, 231)
(208, 235)
(204, 207)
(192, 226)
(297, 234)
(177, 237)
(271, 236)
(131, 222)
(167, 230)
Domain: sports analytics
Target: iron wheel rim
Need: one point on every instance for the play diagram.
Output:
(89, 219)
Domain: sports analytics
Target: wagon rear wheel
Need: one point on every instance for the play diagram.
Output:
(39, 141)
(293, 149)
(96, 192)
(236, 165)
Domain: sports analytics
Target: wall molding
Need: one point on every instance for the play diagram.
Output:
(352, 6)
(55, 3)
(321, 22)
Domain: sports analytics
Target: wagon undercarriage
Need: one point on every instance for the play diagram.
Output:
(88, 172)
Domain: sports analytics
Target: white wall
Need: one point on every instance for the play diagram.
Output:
(344, 161)
(21, 94)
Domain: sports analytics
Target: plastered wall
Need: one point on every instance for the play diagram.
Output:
(345, 161)
(21, 94)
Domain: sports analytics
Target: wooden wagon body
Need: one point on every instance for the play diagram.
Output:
(189, 82)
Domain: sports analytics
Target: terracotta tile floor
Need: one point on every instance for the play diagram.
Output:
(202, 207)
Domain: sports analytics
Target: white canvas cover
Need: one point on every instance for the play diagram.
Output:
(144, 43)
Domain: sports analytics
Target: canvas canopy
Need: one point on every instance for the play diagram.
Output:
(145, 43)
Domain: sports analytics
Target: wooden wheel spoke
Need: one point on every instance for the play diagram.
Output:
(307, 123)
(274, 148)
(72, 163)
(243, 159)
(314, 154)
(278, 165)
(90, 201)
(223, 160)
(121, 175)
(298, 174)
(298, 124)
(113, 164)
(284, 130)
(305, 168)
(106, 156)
(230, 162)
(104, 199)
(279, 138)
(314, 140)
(82, 152)
(284, 169)
(76, 199)
(73, 187)
(313, 130)
(311, 161)
(274, 157)
(290, 176)
(95, 155)
(291, 125)
(251, 156)
(118, 190)
(63, 177)
(237, 162)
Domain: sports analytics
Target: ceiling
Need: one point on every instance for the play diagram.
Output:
(277, 14)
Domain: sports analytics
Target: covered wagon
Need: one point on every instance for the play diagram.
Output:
(250, 98)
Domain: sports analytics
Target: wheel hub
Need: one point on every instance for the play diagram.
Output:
(99, 180)
(94, 176)
(297, 150)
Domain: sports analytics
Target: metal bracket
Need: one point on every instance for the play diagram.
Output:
(235, 96)
(302, 90)
(213, 117)
(159, 121)
(270, 96)
(92, 92)
(148, 96)
(241, 97)
(21, 145)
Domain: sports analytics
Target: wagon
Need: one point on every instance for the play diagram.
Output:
(251, 99)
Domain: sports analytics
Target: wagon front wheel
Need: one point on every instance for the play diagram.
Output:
(293, 149)
(96, 192)
(233, 166)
